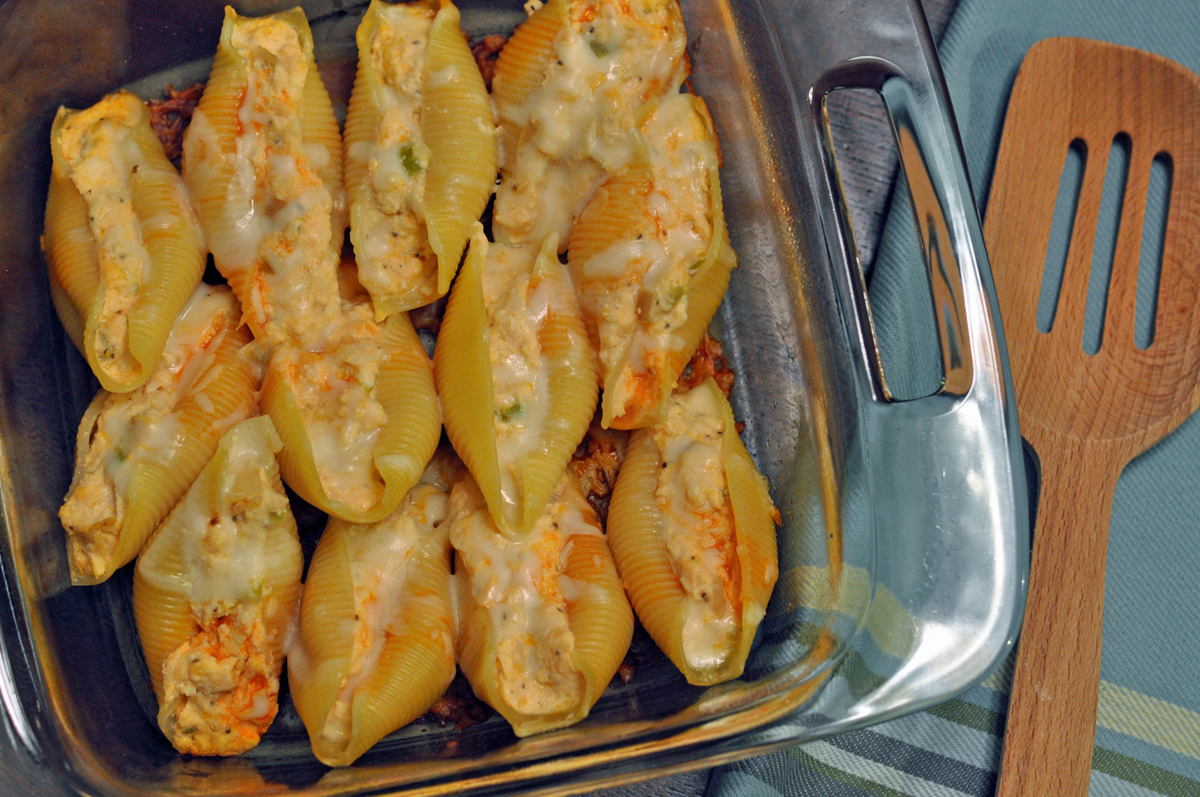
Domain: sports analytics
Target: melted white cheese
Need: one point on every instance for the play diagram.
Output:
(343, 420)
(577, 126)
(379, 556)
(636, 288)
(522, 586)
(280, 210)
(518, 301)
(698, 533)
(225, 532)
(391, 242)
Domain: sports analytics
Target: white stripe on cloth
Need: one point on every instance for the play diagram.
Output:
(1107, 786)
(946, 738)
(877, 773)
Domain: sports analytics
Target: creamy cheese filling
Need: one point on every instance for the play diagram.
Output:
(523, 587)
(577, 126)
(103, 159)
(399, 154)
(221, 546)
(379, 556)
(636, 288)
(698, 533)
(282, 209)
(127, 430)
(343, 420)
(393, 249)
(518, 302)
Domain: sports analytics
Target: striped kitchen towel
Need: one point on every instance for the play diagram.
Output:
(1148, 718)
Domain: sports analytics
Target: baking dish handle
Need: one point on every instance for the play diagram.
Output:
(946, 471)
(891, 51)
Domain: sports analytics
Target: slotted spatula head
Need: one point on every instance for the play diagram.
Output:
(1086, 414)
(1079, 90)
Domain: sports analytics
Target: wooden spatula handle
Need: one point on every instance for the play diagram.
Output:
(1051, 724)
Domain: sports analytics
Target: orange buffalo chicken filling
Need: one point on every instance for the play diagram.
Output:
(223, 682)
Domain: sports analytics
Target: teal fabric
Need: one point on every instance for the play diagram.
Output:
(1148, 727)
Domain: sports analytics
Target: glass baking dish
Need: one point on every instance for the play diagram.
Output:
(904, 549)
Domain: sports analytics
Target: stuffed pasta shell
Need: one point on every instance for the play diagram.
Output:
(566, 86)
(358, 422)
(121, 239)
(543, 621)
(263, 161)
(138, 452)
(516, 374)
(691, 526)
(651, 260)
(420, 149)
(376, 644)
(215, 596)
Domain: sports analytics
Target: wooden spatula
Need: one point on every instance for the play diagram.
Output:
(1087, 415)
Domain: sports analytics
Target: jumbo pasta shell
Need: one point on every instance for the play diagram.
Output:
(615, 215)
(354, 481)
(420, 152)
(601, 617)
(272, 207)
(70, 249)
(121, 238)
(391, 245)
(641, 359)
(516, 452)
(565, 88)
(572, 385)
(215, 594)
(635, 538)
(463, 372)
(494, 649)
(138, 452)
(616, 212)
(321, 658)
(754, 514)
(400, 568)
(164, 620)
(72, 321)
(460, 127)
(521, 68)
(704, 292)
(637, 527)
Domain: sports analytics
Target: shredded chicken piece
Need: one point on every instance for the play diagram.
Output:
(634, 657)
(429, 317)
(626, 671)
(709, 360)
(596, 462)
(459, 705)
(169, 118)
(486, 51)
